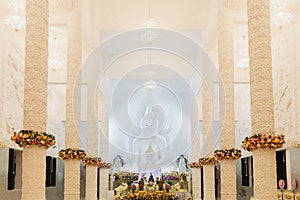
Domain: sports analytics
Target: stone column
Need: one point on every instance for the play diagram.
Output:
(35, 97)
(2, 94)
(91, 182)
(208, 136)
(226, 69)
(72, 167)
(196, 179)
(103, 146)
(261, 91)
(92, 126)
(209, 182)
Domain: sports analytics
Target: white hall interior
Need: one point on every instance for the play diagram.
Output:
(121, 51)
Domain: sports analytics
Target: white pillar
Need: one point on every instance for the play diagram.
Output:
(226, 68)
(92, 125)
(91, 182)
(72, 179)
(196, 176)
(2, 94)
(288, 168)
(208, 136)
(209, 182)
(33, 173)
(103, 146)
(73, 95)
(261, 91)
(35, 97)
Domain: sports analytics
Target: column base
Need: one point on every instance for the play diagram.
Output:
(91, 182)
(196, 183)
(209, 182)
(72, 180)
(228, 196)
(33, 173)
(264, 174)
(103, 184)
(228, 179)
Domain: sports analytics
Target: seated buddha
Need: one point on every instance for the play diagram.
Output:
(151, 179)
(141, 184)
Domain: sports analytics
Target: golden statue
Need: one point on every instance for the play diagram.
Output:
(181, 184)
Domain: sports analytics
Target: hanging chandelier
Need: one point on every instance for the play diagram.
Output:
(54, 61)
(16, 20)
(150, 23)
(150, 85)
(279, 15)
(243, 63)
(149, 37)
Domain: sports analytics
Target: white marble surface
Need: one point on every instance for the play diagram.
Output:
(110, 195)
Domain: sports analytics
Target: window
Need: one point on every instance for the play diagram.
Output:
(11, 169)
(50, 171)
(245, 171)
(217, 181)
(281, 166)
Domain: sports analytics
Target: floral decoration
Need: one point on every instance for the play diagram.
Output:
(295, 144)
(72, 154)
(127, 175)
(170, 176)
(133, 187)
(104, 165)
(30, 137)
(194, 165)
(228, 154)
(263, 141)
(151, 196)
(91, 161)
(183, 175)
(208, 161)
(167, 186)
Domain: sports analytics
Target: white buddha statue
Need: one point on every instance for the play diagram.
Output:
(117, 164)
(182, 164)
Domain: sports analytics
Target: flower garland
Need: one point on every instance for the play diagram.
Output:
(263, 141)
(228, 154)
(30, 137)
(295, 144)
(72, 154)
(170, 176)
(151, 196)
(133, 187)
(127, 175)
(208, 161)
(168, 186)
(194, 165)
(104, 165)
(91, 161)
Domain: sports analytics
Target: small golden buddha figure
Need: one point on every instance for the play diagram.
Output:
(141, 184)
(159, 183)
(151, 179)
(181, 184)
